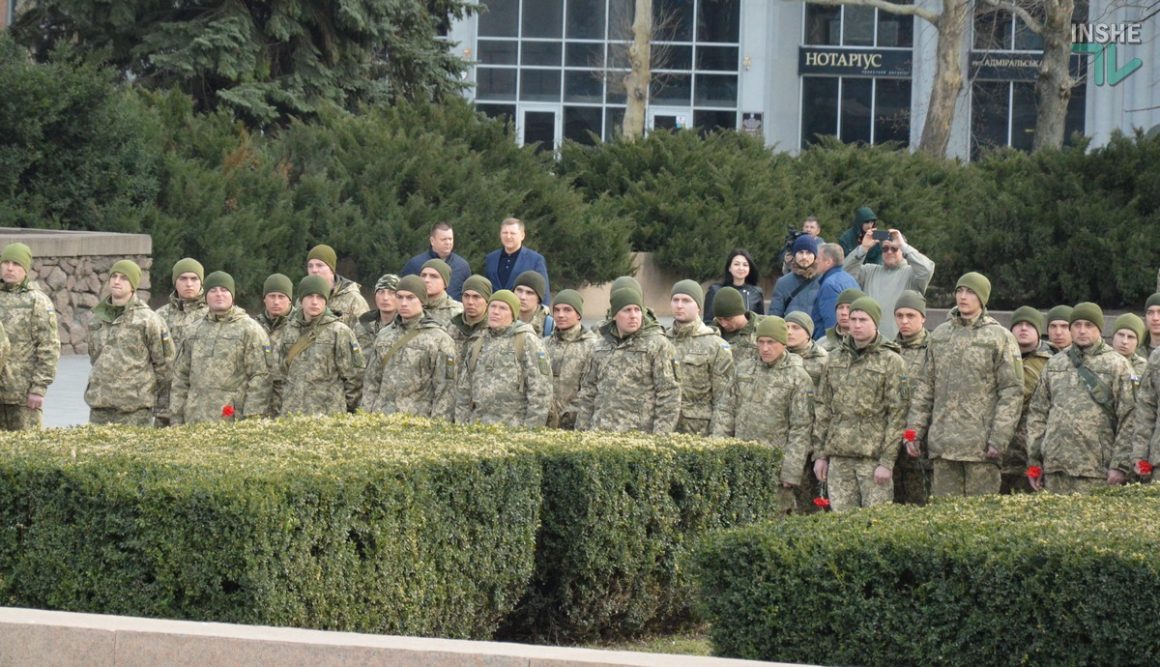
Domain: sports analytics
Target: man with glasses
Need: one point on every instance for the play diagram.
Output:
(902, 268)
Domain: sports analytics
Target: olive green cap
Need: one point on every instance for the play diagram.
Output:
(1029, 315)
(801, 319)
(441, 268)
(849, 296)
(869, 306)
(773, 327)
(1153, 300)
(18, 253)
(533, 281)
(625, 281)
(130, 270)
(1060, 313)
(728, 303)
(415, 285)
(478, 284)
(1090, 312)
(316, 285)
(279, 283)
(624, 297)
(572, 298)
(507, 297)
(324, 254)
(691, 289)
(977, 283)
(219, 279)
(188, 265)
(912, 300)
(1131, 322)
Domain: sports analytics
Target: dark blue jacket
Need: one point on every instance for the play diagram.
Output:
(831, 284)
(460, 270)
(528, 260)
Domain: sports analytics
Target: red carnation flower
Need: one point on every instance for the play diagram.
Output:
(1034, 472)
(909, 435)
(1144, 467)
(822, 502)
(228, 411)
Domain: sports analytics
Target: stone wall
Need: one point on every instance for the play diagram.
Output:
(72, 269)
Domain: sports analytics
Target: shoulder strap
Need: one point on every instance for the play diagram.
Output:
(797, 291)
(397, 345)
(473, 355)
(1100, 392)
(301, 345)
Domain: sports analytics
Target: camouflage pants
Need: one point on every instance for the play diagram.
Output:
(1058, 482)
(963, 478)
(809, 489)
(142, 417)
(693, 426)
(911, 479)
(15, 417)
(851, 484)
(1014, 483)
(786, 503)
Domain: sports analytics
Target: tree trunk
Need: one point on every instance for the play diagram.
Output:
(1053, 87)
(636, 82)
(948, 78)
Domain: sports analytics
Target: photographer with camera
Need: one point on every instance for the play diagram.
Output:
(902, 268)
(810, 227)
(864, 221)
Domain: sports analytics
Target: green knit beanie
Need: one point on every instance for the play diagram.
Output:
(188, 265)
(1060, 313)
(324, 254)
(1131, 322)
(1090, 312)
(802, 320)
(849, 296)
(1153, 300)
(625, 281)
(507, 297)
(415, 285)
(1029, 315)
(912, 300)
(691, 289)
(313, 285)
(572, 298)
(728, 303)
(278, 283)
(18, 253)
(441, 268)
(478, 284)
(130, 270)
(624, 297)
(532, 281)
(773, 327)
(387, 281)
(220, 279)
(977, 283)
(869, 306)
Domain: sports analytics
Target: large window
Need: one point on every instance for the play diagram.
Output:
(857, 26)
(855, 109)
(574, 54)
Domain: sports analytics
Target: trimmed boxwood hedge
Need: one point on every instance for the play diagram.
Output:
(1041, 580)
(370, 523)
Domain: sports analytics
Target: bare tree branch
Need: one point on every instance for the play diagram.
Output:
(884, 5)
(1033, 24)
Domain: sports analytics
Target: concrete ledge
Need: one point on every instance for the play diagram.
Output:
(30, 637)
(60, 243)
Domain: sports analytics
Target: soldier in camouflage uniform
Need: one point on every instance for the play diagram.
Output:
(860, 414)
(800, 334)
(706, 366)
(1079, 424)
(411, 368)
(186, 307)
(130, 351)
(1152, 322)
(1027, 326)
(473, 320)
(569, 350)
(5, 346)
(631, 381)
(320, 365)
(911, 473)
(529, 289)
(277, 308)
(345, 299)
(833, 338)
(223, 367)
(34, 345)
(1128, 331)
(775, 406)
(738, 327)
(967, 403)
(1058, 329)
(436, 275)
(372, 322)
(505, 377)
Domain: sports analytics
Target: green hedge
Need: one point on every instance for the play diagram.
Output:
(371, 524)
(1014, 580)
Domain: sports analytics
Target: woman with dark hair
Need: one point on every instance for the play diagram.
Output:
(740, 274)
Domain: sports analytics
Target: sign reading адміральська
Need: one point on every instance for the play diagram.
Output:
(854, 62)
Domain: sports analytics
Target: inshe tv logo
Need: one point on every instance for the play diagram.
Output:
(1102, 39)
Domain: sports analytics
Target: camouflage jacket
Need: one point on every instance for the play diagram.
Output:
(442, 309)
(463, 333)
(706, 375)
(1145, 435)
(540, 319)
(325, 376)
(913, 352)
(1068, 431)
(5, 346)
(775, 405)
(814, 358)
(131, 355)
(33, 342)
(860, 409)
(630, 383)
(1139, 366)
(411, 369)
(367, 329)
(505, 378)
(568, 352)
(970, 393)
(275, 327)
(224, 361)
(179, 315)
(831, 341)
(1015, 458)
(346, 301)
(744, 340)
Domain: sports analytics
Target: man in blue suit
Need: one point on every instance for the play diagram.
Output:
(442, 247)
(503, 266)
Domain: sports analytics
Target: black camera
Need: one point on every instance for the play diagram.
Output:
(791, 235)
